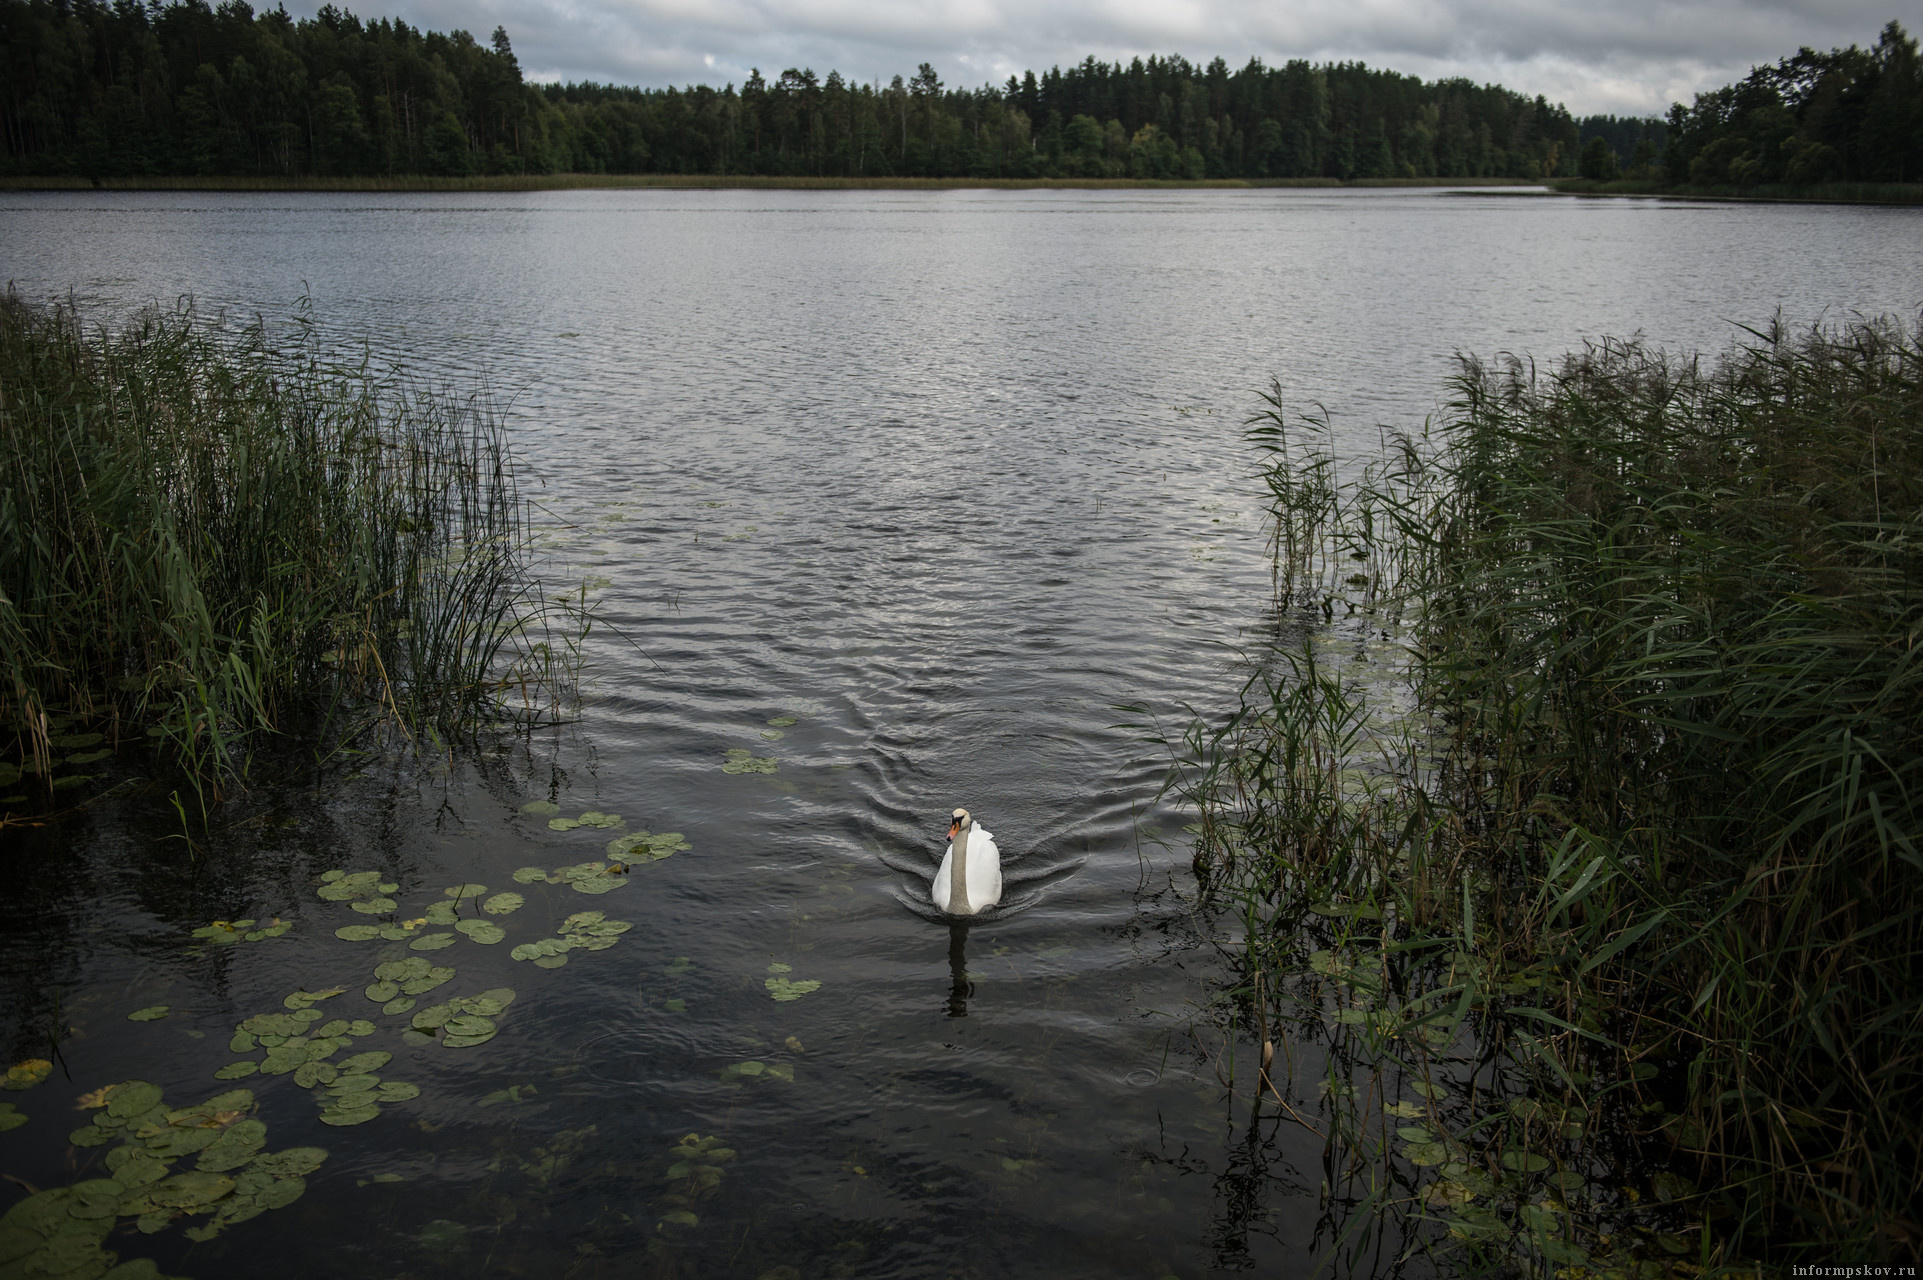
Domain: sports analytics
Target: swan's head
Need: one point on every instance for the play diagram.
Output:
(961, 820)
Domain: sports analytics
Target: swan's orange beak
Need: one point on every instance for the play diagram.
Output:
(953, 827)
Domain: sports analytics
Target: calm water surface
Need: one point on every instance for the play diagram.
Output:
(943, 477)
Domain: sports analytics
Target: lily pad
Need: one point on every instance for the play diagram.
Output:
(741, 760)
(431, 942)
(394, 1008)
(503, 904)
(344, 1115)
(433, 978)
(462, 891)
(26, 1075)
(132, 1098)
(640, 846)
(782, 722)
(396, 1091)
(152, 1013)
(358, 932)
(294, 1162)
(482, 931)
(10, 1118)
(528, 875)
(362, 1063)
(783, 990)
(237, 1070)
(190, 1190)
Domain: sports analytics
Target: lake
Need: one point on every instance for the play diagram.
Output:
(906, 493)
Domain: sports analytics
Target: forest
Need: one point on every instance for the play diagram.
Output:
(127, 90)
(1849, 115)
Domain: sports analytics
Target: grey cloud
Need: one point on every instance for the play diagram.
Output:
(1626, 57)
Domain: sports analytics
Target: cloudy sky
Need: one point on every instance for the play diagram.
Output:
(1618, 56)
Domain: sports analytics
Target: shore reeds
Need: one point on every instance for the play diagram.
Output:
(218, 534)
(1610, 886)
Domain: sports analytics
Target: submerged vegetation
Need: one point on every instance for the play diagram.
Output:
(217, 535)
(1583, 820)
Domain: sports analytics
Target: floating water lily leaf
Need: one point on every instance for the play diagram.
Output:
(681, 1218)
(1406, 1110)
(563, 824)
(190, 1190)
(399, 1006)
(463, 891)
(396, 1091)
(294, 1162)
(640, 846)
(741, 760)
(90, 1136)
(26, 1075)
(431, 942)
(342, 1114)
(442, 1236)
(551, 962)
(528, 875)
(1524, 1161)
(745, 1069)
(282, 1192)
(152, 1013)
(1352, 1017)
(237, 1070)
(382, 992)
(773, 735)
(433, 978)
(538, 807)
(218, 931)
(361, 1063)
(783, 990)
(503, 904)
(442, 912)
(358, 932)
(782, 722)
(132, 1098)
(679, 966)
(482, 931)
(310, 1074)
(10, 1118)
(1430, 1091)
(71, 740)
(374, 906)
(1426, 1153)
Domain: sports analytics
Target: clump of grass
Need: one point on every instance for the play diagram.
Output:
(1635, 886)
(218, 536)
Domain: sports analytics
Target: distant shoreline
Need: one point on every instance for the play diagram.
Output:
(1825, 193)
(1888, 193)
(644, 181)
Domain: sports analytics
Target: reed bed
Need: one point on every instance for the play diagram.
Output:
(1603, 888)
(222, 537)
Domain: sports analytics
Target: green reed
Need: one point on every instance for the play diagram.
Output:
(1616, 869)
(220, 536)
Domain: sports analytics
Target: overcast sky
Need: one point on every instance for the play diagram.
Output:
(1626, 57)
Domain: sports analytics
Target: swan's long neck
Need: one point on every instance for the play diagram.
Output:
(958, 903)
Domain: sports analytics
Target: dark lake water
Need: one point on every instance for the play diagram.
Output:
(943, 478)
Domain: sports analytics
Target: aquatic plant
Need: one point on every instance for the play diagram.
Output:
(221, 534)
(1618, 863)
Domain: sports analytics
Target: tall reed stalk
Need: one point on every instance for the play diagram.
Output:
(1635, 890)
(216, 535)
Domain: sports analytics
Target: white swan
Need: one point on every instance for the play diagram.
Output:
(963, 887)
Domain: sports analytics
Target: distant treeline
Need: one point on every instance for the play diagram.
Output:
(1849, 115)
(123, 89)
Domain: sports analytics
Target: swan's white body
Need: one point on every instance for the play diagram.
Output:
(981, 873)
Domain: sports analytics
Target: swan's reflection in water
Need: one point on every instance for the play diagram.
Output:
(959, 988)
